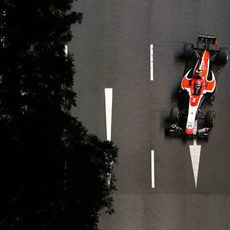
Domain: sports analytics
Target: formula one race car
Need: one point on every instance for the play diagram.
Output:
(198, 86)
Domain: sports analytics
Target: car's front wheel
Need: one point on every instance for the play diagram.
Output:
(210, 119)
(174, 114)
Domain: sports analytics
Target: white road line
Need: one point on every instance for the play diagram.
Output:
(152, 169)
(66, 50)
(151, 62)
(195, 158)
(108, 111)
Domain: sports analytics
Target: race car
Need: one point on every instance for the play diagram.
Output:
(198, 86)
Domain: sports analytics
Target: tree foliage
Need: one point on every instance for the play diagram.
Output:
(53, 174)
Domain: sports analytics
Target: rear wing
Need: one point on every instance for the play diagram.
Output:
(207, 42)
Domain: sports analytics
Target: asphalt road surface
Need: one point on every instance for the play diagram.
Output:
(112, 50)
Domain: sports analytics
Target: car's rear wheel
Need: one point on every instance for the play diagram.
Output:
(174, 114)
(222, 56)
(188, 50)
(210, 119)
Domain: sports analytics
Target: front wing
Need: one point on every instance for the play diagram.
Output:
(176, 131)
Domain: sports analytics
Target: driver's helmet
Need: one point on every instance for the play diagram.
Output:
(198, 84)
(198, 71)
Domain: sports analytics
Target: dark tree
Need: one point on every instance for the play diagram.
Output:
(53, 174)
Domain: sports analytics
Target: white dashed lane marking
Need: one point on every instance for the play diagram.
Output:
(151, 62)
(108, 111)
(152, 169)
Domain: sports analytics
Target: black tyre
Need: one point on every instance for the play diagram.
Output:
(212, 99)
(210, 119)
(174, 114)
(188, 51)
(222, 56)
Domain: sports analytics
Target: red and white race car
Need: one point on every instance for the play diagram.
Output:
(197, 87)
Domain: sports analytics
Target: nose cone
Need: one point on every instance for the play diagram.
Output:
(189, 131)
